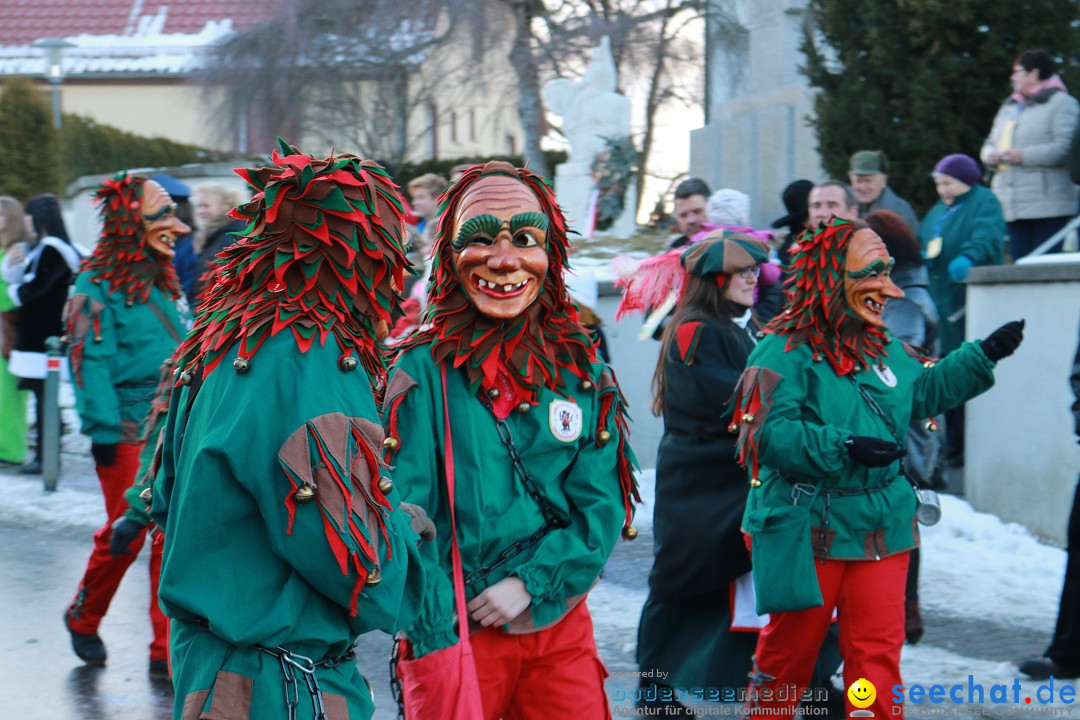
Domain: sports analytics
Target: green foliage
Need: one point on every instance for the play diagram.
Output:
(921, 79)
(612, 171)
(91, 148)
(407, 171)
(29, 146)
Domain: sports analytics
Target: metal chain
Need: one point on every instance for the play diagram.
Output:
(554, 516)
(290, 662)
(395, 681)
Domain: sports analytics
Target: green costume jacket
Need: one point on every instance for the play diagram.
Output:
(116, 355)
(973, 226)
(246, 564)
(862, 513)
(571, 466)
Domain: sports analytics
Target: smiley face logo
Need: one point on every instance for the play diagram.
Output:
(862, 693)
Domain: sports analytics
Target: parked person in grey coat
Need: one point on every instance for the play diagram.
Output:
(1028, 151)
(869, 175)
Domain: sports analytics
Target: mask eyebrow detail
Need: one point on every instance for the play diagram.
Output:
(874, 268)
(165, 211)
(479, 225)
(529, 219)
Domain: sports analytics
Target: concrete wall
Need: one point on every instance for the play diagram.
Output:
(757, 139)
(1021, 455)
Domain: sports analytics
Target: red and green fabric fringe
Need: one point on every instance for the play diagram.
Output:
(817, 313)
(320, 257)
(121, 255)
(529, 350)
(611, 396)
(753, 400)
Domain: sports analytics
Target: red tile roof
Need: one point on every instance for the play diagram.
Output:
(24, 21)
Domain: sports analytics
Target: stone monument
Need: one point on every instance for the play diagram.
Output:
(593, 112)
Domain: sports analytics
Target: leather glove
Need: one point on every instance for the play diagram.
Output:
(872, 451)
(124, 532)
(104, 453)
(420, 522)
(1003, 342)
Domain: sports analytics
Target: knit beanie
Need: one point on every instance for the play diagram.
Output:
(961, 167)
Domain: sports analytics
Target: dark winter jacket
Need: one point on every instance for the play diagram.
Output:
(700, 489)
(889, 200)
(41, 291)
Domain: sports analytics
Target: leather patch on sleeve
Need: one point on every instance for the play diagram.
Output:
(400, 383)
(232, 697)
(194, 704)
(337, 708)
(687, 337)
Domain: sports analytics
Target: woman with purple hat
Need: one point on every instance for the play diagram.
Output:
(964, 229)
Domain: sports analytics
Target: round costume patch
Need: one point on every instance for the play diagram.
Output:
(886, 375)
(564, 419)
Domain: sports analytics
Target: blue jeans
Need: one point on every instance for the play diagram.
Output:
(1026, 235)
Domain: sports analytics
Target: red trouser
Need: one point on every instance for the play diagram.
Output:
(869, 599)
(104, 572)
(554, 673)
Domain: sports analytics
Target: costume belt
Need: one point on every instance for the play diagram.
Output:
(291, 663)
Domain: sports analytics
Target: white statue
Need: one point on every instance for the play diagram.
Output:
(592, 112)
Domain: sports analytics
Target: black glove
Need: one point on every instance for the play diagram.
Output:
(124, 531)
(1003, 342)
(872, 451)
(104, 453)
(420, 522)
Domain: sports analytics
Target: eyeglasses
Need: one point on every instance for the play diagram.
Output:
(749, 272)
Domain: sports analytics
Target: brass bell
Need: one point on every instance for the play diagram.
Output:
(524, 407)
(603, 438)
(304, 493)
(586, 385)
(493, 393)
(931, 426)
(390, 443)
(97, 337)
(385, 485)
(347, 363)
(733, 428)
(759, 334)
(928, 364)
(185, 378)
(374, 577)
(147, 495)
(629, 532)
(747, 419)
(240, 365)
(754, 482)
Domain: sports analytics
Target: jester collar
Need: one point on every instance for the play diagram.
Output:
(134, 252)
(497, 304)
(321, 257)
(838, 289)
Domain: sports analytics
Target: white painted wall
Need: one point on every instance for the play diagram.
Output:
(1022, 457)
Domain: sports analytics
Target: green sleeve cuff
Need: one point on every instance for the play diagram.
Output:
(427, 642)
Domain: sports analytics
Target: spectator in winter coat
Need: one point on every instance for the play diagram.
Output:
(1028, 151)
(38, 279)
(965, 228)
(869, 175)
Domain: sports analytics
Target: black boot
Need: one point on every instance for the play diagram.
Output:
(87, 646)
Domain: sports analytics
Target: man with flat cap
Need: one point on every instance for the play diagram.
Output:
(869, 175)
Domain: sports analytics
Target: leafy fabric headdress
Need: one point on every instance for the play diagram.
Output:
(321, 257)
(817, 313)
(121, 255)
